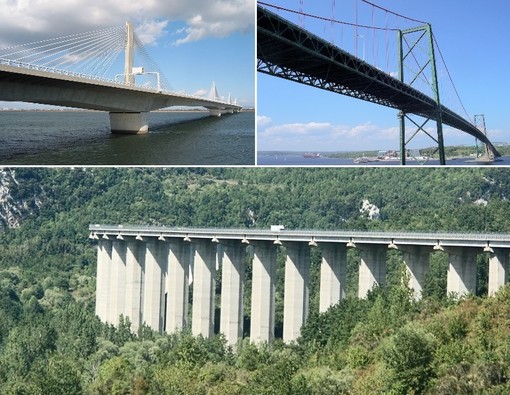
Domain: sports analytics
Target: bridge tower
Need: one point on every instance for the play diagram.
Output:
(487, 154)
(416, 36)
(129, 78)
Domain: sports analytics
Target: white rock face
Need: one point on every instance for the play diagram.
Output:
(369, 209)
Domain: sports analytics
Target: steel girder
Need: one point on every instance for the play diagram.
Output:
(287, 51)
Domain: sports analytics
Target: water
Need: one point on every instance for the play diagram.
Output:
(84, 138)
(281, 158)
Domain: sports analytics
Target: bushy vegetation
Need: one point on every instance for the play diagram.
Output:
(52, 343)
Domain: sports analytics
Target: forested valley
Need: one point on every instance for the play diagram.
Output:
(51, 342)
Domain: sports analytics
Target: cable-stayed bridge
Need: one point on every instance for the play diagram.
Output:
(287, 50)
(75, 71)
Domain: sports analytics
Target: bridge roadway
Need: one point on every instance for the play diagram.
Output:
(128, 105)
(143, 272)
(287, 51)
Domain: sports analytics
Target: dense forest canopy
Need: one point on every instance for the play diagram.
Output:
(51, 342)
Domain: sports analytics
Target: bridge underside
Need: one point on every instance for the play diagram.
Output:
(125, 103)
(287, 51)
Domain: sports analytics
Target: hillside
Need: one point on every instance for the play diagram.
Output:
(50, 341)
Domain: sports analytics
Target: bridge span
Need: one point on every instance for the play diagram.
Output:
(144, 272)
(127, 102)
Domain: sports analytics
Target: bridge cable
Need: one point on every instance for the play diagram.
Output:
(394, 13)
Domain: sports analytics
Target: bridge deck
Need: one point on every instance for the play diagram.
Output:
(37, 85)
(285, 50)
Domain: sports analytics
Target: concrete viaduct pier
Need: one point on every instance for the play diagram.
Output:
(144, 273)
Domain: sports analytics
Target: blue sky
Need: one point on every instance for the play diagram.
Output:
(472, 35)
(194, 42)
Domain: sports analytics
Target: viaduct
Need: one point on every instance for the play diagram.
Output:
(144, 272)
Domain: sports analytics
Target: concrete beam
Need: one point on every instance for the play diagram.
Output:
(498, 269)
(333, 275)
(153, 297)
(135, 256)
(232, 285)
(204, 276)
(263, 292)
(103, 279)
(296, 296)
(461, 277)
(372, 269)
(177, 285)
(129, 122)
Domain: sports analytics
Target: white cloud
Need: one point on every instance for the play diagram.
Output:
(26, 21)
(263, 120)
(201, 92)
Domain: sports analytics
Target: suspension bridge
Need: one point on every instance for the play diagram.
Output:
(76, 71)
(289, 51)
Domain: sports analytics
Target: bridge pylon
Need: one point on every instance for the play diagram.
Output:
(417, 36)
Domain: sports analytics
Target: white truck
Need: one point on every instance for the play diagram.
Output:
(277, 228)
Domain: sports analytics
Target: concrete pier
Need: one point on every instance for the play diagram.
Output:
(135, 260)
(153, 297)
(263, 292)
(232, 285)
(296, 294)
(103, 279)
(118, 283)
(333, 275)
(204, 279)
(461, 277)
(372, 269)
(417, 261)
(129, 122)
(498, 269)
(177, 285)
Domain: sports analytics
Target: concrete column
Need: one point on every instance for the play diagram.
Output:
(129, 122)
(461, 271)
(498, 269)
(117, 282)
(417, 261)
(295, 301)
(333, 275)
(135, 256)
(177, 285)
(202, 321)
(263, 292)
(372, 269)
(103, 278)
(232, 283)
(155, 264)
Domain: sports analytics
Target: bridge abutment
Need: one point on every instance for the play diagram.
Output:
(129, 122)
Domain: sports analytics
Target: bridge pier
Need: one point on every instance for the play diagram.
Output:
(129, 122)
(417, 262)
(333, 275)
(153, 298)
(118, 284)
(232, 285)
(135, 261)
(204, 274)
(296, 293)
(461, 277)
(498, 269)
(263, 292)
(103, 279)
(372, 269)
(177, 285)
